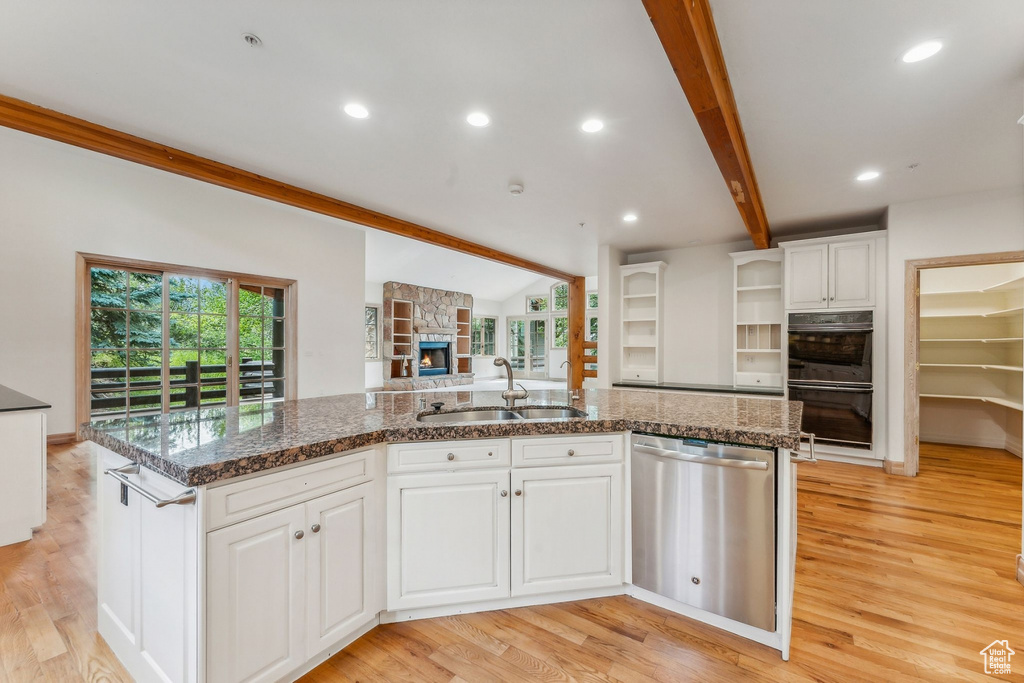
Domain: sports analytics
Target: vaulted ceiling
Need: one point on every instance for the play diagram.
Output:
(817, 82)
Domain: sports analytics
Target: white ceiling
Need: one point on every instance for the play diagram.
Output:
(817, 82)
(393, 258)
(823, 95)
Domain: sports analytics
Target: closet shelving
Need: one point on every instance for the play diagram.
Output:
(972, 339)
(758, 318)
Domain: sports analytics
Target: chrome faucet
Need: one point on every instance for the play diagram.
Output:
(511, 394)
(574, 395)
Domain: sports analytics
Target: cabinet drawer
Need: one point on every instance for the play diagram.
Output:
(257, 496)
(448, 455)
(567, 450)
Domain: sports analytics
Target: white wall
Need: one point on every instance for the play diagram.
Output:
(975, 223)
(698, 311)
(56, 200)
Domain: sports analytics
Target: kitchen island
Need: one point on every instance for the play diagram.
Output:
(253, 543)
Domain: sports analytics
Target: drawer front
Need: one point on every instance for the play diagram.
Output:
(243, 500)
(448, 455)
(567, 450)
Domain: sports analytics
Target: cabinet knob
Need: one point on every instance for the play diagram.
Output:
(831, 298)
(299, 534)
(490, 453)
(504, 494)
(695, 580)
(315, 528)
(519, 492)
(451, 456)
(823, 299)
(572, 452)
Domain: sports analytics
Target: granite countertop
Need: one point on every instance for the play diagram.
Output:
(214, 444)
(11, 400)
(703, 388)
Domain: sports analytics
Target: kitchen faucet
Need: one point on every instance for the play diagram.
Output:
(573, 394)
(511, 394)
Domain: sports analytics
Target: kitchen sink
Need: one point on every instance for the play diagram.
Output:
(503, 414)
(483, 415)
(550, 413)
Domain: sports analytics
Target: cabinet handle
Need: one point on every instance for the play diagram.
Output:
(315, 528)
(299, 534)
(451, 456)
(571, 452)
(504, 494)
(519, 492)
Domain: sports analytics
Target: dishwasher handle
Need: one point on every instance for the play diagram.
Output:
(702, 459)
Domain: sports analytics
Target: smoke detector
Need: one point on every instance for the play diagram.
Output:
(515, 189)
(252, 39)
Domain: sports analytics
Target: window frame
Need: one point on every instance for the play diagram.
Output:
(590, 293)
(378, 331)
(547, 305)
(85, 262)
(552, 299)
(554, 332)
(482, 344)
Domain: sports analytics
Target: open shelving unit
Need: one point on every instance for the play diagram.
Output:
(401, 335)
(972, 349)
(463, 359)
(758, 318)
(642, 304)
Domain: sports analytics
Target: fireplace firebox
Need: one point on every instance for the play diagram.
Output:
(434, 358)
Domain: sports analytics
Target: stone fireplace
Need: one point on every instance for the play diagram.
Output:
(426, 337)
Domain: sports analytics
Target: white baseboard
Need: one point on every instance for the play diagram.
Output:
(869, 461)
(1014, 446)
(1004, 443)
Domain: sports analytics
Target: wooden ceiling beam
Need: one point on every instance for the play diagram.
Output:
(687, 32)
(29, 118)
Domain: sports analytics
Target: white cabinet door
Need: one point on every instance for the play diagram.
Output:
(118, 577)
(448, 538)
(566, 528)
(806, 277)
(256, 588)
(851, 274)
(340, 548)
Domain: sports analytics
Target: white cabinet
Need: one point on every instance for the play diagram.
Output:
(146, 584)
(255, 598)
(836, 274)
(340, 561)
(448, 538)
(23, 463)
(758, 317)
(642, 324)
(567, 527)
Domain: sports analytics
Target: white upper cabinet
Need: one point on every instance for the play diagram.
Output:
(838, 274)
(807, 277)
(851, 274)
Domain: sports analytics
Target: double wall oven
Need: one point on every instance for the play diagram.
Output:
(830, 371)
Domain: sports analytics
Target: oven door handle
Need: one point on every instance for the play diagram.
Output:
(830, 328)
(833, 387)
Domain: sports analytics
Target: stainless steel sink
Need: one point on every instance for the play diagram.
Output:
(550, 413)
(502, 414)
(482, 415)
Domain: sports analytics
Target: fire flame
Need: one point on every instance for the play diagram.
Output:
(425, 362)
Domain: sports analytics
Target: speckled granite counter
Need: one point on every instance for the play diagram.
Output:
(210, 445)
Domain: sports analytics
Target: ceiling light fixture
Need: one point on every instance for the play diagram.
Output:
(629, 218)
(478, 119)
(868, 175)
(591, 125)
(356, 111)
(922, 51)
(252, 39)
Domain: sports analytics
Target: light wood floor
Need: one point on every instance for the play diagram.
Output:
(916, 600)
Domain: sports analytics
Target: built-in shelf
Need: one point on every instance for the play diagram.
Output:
(979, 340)
(757, 288)
(758, 322)
(641, 320)
(758, 351)
(642, 307)
(1006, 312)
(757, 315)
(639, 296)
(976, 366)
(984, 399)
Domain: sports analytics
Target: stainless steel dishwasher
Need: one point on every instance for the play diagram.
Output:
(704, 525)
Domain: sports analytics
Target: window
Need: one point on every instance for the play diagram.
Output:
(371, 339)
(591, 299)
(560, 297)
(536, 304)
(560, 339)
(482, 336)
(592, 329)
(164, 338)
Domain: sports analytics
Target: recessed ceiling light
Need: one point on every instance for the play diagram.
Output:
(592, 125)
(629, 218)
(922, 51)
(478, 119)
(868, 175)
(356, 111)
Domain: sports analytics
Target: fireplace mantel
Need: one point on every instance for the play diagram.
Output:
(452, 331)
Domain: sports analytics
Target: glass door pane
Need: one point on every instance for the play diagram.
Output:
(517, 343)
(538, 347)
(262, 367)
(198, 343)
